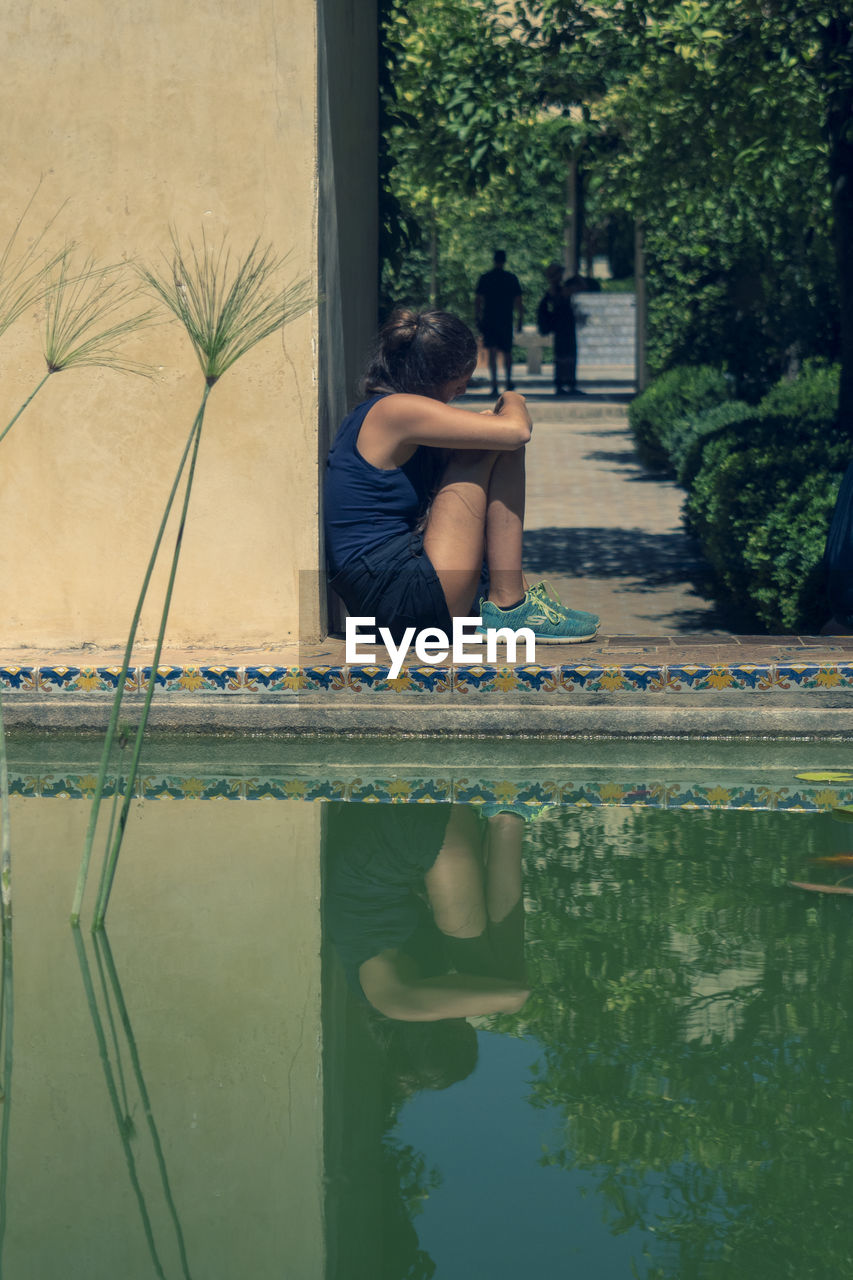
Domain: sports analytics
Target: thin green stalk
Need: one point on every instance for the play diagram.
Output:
(7, 1076)
(28, 400)
(5, 827)
(102, 947)
(113, 1037)
(116, 708)
(109, 864)
(114, 1098)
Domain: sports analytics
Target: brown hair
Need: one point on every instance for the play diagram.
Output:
(418, 352)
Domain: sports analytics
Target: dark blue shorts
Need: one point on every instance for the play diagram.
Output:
(396, 584)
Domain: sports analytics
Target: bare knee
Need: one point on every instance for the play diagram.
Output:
(466, 462)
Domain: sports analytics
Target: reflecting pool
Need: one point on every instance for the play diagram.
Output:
(388, 1040)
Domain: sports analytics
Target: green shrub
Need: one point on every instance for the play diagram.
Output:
(762, 500)
(658, 413)
(810, 400)
(687, 446)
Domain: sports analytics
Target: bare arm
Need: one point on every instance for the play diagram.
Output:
(519, 312)
(391, 985)
(397, 424)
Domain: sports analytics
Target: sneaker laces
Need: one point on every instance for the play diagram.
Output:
(548, 601)
(548, 604)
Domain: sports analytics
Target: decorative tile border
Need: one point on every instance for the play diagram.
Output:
(210, 679)
(425, 788)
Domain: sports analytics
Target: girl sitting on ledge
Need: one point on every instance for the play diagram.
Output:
(424, 502)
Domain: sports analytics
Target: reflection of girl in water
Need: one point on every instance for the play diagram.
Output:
(423, 904)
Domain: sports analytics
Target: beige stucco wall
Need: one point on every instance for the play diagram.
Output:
(197, 116)
(214, 925)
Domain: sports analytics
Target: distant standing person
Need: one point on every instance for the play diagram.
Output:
(498, 296)
(556, 315)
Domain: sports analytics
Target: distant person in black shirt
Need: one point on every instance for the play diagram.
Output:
(498, 295)
(557, 315)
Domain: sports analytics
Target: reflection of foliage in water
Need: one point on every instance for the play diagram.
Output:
(695, 1020)
(414, 1178)
(408, 1182)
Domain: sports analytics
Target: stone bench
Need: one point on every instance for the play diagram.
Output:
(533, 344)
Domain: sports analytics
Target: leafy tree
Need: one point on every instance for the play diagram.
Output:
(726, 126)
(694, 1018)
(719, 124)
(473, 162)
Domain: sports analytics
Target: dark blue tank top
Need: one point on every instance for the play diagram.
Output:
(364, 505)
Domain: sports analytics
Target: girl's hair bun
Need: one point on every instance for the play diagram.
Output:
(418, 352)
(400, 328)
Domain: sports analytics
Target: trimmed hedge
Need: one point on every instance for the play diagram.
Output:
(658, 416)
(688, 446)
(762, 498)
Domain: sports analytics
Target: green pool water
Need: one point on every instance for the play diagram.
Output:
(205, 1092)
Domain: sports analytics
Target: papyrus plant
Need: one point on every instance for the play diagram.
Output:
(86, 319)
(90, 311)
(226, 304)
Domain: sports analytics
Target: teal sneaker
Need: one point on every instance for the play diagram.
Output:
(549, 620)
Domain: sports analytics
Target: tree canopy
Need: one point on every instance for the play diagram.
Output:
(724, 126)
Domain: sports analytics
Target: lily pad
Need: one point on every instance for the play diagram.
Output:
(825, 775)
(842, 813)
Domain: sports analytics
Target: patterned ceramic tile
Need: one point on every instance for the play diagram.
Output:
(309, 679)
(364, 679)
(270, 789)
(810, 675)
(425, 788)
(53, 679)
(426, 679)
(538, 679)
(680, 677)
(491, 679)
(166, 677)
(263, 678)
(742, 677)
(71, 785)
(756, 676)
(316, 789)
(431, 791)
(531, 678)
(22, 679)
(111, 676)
(475, 679)
(474, 791)
(585, 679)
(644, 679)
(396, 790)
(227, 679)
(23, 784)
(192, 679)
(56, 679)
(616, 679)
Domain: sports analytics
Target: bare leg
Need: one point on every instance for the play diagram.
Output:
(505, 529)
(493, 367)
(503, 877)
(508, 369)
(479, 506)
(454, 882)
(504, 905)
